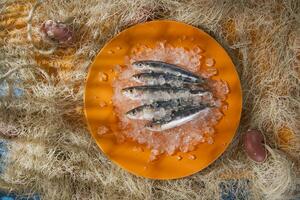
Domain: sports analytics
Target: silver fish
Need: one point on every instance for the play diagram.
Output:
(158, 66)
(177, 118)
(160, 78)
(161, 92)
(158, 108)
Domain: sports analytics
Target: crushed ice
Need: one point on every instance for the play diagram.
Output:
(185, 137)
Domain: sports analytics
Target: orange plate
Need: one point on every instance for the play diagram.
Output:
(131, 156)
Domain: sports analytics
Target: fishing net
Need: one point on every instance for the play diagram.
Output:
(41, 108)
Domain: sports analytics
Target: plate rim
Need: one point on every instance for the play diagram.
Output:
(240, 100)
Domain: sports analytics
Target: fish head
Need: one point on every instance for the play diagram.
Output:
(140, 66)
(137, 78)
(153, 126)
(130, 92)
(133, 114)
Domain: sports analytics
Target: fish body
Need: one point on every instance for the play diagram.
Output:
(161, 78)
(177, 118)
(158, 108)
(161, 92)
(158, 66)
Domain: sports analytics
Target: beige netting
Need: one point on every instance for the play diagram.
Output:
(54, 154)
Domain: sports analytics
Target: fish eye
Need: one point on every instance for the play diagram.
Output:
(130, 90)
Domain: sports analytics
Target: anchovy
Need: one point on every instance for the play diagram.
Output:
(158, 66)
(158, 108)
(177, 118)
(160, 78)
(161, 92)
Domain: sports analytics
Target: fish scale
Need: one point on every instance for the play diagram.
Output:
(158, 108)
(161, 92)
(160, 78)
(159, 66)
(176, 118)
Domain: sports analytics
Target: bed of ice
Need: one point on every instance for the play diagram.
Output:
(187, 136)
